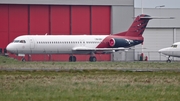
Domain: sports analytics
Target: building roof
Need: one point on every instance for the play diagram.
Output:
(70, 2)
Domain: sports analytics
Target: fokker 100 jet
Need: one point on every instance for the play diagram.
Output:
(81, 44)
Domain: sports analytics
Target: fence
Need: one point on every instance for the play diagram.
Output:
(155, 56)
(119, 56)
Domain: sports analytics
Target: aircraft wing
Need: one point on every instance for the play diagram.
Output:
(99, 49)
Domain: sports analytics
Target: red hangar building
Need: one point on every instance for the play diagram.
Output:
(64, 17)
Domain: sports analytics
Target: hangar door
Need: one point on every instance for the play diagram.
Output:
(155, 39)
(16, 20)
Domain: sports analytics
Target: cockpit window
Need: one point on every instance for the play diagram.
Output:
(19, 41)
(22, 41)
(174, 46)
(16, 41)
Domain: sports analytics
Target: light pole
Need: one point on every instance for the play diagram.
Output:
(142, 54)
(141, 6)
(160, 6)
(160, 16)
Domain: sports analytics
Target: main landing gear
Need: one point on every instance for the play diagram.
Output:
(91, 59)
(72, 59)
(168, 60)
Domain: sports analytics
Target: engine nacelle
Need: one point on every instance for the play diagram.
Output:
(119, 42)
(112, 42)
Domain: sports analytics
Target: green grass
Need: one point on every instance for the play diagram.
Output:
(90, 86)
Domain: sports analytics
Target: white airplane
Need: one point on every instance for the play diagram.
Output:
(81, 44)
(173, 51)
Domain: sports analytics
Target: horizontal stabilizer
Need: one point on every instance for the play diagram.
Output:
(157, 17)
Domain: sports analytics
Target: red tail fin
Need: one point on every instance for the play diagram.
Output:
(138, 26)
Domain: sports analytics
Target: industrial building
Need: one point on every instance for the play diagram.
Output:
(85, 17)
(62, 17)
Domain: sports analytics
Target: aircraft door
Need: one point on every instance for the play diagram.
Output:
(32, 43)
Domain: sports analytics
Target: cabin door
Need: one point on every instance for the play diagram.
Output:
(32, 43)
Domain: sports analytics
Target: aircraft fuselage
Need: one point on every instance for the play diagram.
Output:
(64, 44)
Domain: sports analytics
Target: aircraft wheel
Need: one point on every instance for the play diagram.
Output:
(92, 59)
(169, 61)
(72, 59)
(23, 59)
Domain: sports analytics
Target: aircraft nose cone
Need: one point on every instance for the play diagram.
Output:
(161, 50)
(164, 51)
(10, 48)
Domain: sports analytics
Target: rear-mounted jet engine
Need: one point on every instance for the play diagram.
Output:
(118, 42)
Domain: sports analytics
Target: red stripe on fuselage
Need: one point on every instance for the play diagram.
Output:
(105, 42)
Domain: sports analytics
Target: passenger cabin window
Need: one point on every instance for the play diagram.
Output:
(174, 46)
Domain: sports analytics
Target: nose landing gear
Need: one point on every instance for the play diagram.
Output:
(168, 60)
(23, 59)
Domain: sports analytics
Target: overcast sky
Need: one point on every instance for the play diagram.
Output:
(154, 3)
